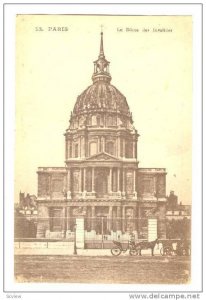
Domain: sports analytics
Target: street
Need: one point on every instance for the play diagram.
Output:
(102, 269)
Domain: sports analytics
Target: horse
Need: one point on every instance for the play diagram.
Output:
(147, 245)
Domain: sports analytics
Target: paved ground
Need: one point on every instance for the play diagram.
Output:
(102, 269)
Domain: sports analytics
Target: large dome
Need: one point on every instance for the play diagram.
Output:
(101, 96)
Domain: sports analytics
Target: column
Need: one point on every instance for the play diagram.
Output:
(110, 181)
(69, 148)
(80, 180)
(69, 184)
(136, 149)
(84, 183)
(93, 188)
(110, 219)
(68, 218)
(118, 146)
(93, 218)
(118, 180)
(134, 180)
(66, 149)
(133, 144)
(134, 183)
(86, 146)
(103, 144)
(99, 145)
(72, 149)
(123, 182)
(82, 146)
(123, 141)
(123, 218)
(119, 218)
(64, 191)
(64, 221)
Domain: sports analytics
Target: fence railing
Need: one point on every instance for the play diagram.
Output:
(65, 244)
(59, 227)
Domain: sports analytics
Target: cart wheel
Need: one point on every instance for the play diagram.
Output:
(166, 251)
(116, 251)
(133, 252)
(186, 251)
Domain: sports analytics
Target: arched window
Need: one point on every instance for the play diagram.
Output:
(93, 148)
(76, 150)
(110, 148)
(110, 121)
(94, 120)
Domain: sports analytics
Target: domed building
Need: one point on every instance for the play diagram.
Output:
(101, 192)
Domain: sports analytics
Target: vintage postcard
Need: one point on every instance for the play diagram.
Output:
(103, 167)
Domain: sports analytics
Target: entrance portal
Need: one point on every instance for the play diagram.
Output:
(101, 226)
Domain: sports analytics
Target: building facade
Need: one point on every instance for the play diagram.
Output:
(101, 182)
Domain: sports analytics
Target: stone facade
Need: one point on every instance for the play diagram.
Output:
(101, 180)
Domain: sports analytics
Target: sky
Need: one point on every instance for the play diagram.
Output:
(152, 68)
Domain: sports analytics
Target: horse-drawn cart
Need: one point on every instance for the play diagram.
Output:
(182, 248)
(134, 248)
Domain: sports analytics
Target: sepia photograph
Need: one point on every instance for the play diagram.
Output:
(108, 98)
(103, 151)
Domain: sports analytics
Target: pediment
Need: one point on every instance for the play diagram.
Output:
(102, 157)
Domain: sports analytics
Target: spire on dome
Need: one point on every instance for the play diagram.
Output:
(101, 66)
(101, 53)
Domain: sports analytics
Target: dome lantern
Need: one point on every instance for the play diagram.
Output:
(101, 66)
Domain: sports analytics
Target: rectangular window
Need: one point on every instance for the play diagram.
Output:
(93, 148)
